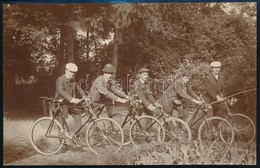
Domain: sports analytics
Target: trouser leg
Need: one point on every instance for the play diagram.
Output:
(75, 113)
(219, 111)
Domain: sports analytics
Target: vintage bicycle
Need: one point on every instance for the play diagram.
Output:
(176, 130)
(244, 127)
(138, 128)
(48, 136)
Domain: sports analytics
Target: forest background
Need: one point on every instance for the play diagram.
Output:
(39, 39)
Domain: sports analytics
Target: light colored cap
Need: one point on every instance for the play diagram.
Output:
(71, 67)
(215, 64)
(109, 68)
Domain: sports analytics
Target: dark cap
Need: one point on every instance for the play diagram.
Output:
(187, 73)
(143, 70)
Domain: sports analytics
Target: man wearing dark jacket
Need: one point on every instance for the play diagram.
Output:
(66, 93)
(104, 90)
(142, 88)
(214, 89)
(178, 91)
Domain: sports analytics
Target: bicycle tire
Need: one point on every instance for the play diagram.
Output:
(194, 127)
(207, 134)
(50, 144)
(102, 130)
(177, 131)
(142, 133)
(244, 127)
(120, 117)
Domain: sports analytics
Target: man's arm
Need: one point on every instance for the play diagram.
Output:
(179, 88)
(192, 93)
(118, 92)
(101, 88)
(136, 86)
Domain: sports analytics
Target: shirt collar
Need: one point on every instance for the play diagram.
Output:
(142, 81)
(216, 76)
(67, 77)
(105, 79)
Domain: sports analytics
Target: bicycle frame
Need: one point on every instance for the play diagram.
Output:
(59, 113)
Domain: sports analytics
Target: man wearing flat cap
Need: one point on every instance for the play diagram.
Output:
(214, 89)
(103, 90)
(142, 88)
(66, 93)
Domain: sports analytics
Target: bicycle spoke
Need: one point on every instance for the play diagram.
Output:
(146, 129)
(104, 135)
(243, 126)
(44, 142)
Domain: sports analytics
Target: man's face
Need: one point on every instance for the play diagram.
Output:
(186, 79)
(108, 75)
(216, 70)
(144, 76)
(70, 74)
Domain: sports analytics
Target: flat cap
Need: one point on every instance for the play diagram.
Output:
(143, 70)
(71, 67)
(215, 64)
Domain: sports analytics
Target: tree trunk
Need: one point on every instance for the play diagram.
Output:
(61, 55)
(88, 48)
(9, 87)
(114, 59)
(70, 35)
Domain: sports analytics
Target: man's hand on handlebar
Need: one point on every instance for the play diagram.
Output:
(120, 100)
(75, 100)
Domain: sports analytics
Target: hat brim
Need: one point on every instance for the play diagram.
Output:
(107, 71)
(143, 72)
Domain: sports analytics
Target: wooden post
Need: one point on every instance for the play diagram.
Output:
(44, 105)
(49, 106)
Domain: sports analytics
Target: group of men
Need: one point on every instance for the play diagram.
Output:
(103, 89)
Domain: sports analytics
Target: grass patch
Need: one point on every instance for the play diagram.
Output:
(17, 146)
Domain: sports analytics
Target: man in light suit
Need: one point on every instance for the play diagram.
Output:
(104, 90)
(214, 89)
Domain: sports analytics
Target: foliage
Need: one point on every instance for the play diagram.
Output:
(159, 36)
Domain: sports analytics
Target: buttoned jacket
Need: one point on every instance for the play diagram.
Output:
(101, 88)
(142, 90)
(176, 91)
(213, 87)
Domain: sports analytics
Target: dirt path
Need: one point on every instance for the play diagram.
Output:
(71, 157)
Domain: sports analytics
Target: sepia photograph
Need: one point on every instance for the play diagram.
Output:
(129, 83)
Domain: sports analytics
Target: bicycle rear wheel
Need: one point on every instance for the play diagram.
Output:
(243, 126)
(216, 129)
(177, 130)
(146, 129)
(45, 136)
(104, 136)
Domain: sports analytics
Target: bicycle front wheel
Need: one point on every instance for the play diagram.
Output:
(216, 129)
(176, 130)
(104, 136)
(146, 129)
(45, 136)
(125, 124)
(243, 126)
(193, 122)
